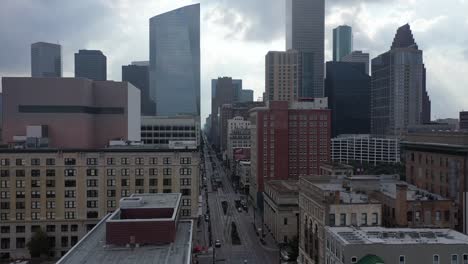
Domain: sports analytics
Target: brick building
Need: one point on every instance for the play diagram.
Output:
(288, 140)
(438, 162)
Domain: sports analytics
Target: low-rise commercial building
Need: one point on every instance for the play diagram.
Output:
(238, 136)
(348, 245)
(333, 168)
(281, 209)
(365, 149)
(145, 229)
(66, 191)
(162, 130)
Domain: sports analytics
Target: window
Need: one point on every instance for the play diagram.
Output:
(35, 183)
(50, 205)
(125, 193)
(50, 215)
(124, 161)
(19, 216)
(70, 183)
(185, 212)
(35, 162)
(454, 259)
(167, 182)
(153, 171)
(50, 228)
(50, 161)
(91, 161)
(167, 171)
(4, 184)
(167, 190)
(20, 194)
(69, 215)
(185, 160)
(5, 162)
(125, 172)
(110, 161)
(20, 173)
(465, 258)
(342, 219)
(4, 173)
(139, 182)
(35, 194)
(185, 182)
(35, 205)
(185, 171)
(435, 259)
(111, 182)
(70, 161)
(166, 161)
(375, 219)
(5, 243)
(50, 194)
(70, 194)
(285, 221)
(92, 183)
(153, 161)
(35, 216)
(50, 173)
(91, 172)
(70, 204)
(437, 216)
(364, 219)
(139, 172)
(92, 193)
(186, 202)
(353, 259)
(5, 230)
(64, 228)
(20, 184)
(139, 161)
(20, 205)
(125, 182)
(35, 173)
(20, 162)
(4, 216)
(20, 242)
(111, 203)
(64, 241)
(110, 193)
(186, 191)
(20, 229)
(70, 172)
(91, 204)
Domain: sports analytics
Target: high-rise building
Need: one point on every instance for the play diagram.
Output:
(69, 112)
(342, 42)
(91, 64)
(246, 96)
(305, 32)
(357, 56)
(138, 74)
(46, 60)
(398, 86)
(175, 61)
(288, 140)
(347, 87)
(464, 120)
(282, 74)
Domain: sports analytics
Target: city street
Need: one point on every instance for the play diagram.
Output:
(251, 249)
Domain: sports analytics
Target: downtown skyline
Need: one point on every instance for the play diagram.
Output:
(236, 36)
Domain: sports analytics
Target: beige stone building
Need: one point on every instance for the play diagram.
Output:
(66, 192)
(282, 75)
(281, 209)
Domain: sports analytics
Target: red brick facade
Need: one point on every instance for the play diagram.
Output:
(141, 232)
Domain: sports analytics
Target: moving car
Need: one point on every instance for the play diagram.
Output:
(217, 243)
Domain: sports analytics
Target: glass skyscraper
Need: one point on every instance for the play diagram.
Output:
(46, 60)
(305, 32)
(342, 42)
(175, 61)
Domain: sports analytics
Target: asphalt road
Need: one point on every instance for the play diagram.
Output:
(250, 249)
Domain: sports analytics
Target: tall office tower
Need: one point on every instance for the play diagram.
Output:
(282, 75)
(91, 64)
(288, 140)
(305, 22)
(46, 60)
(342, 42)
(138, 74)
(246, 96)
(347, 87)
(398, 86)
(175, 61)
(358, 56)
(426, 104)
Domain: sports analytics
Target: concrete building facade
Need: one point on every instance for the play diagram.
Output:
(91, 64)
(281, 209)
(161, 130)
(287, 140)
(81, 114)
(282, 75)
(65, 192)
(348, 245)
(46, 60)
(365, 149)
(238, 135)
(437, 162)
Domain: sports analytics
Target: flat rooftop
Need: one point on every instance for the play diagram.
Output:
(398, 236)
(92, 249)
(154, 200)
(346, 196)
(413, 193)
(284, 187)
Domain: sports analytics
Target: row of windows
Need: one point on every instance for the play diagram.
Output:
(94, 172)
(93, 161)
(21, 242)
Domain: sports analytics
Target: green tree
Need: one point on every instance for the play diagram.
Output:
(39, 244)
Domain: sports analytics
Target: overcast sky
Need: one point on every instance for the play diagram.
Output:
(236, 35)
